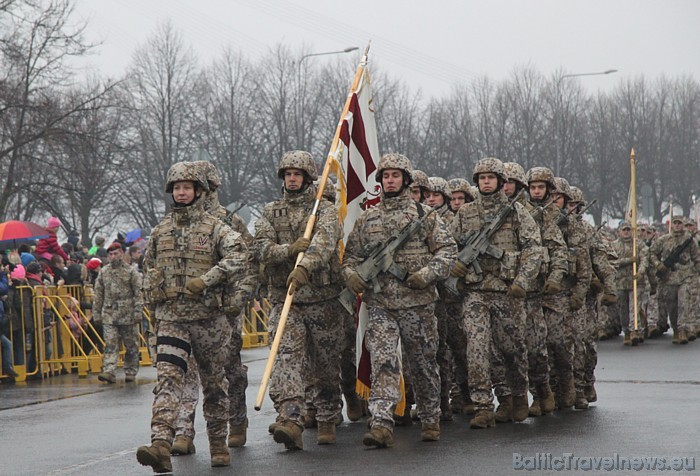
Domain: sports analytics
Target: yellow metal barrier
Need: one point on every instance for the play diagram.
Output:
(255, 319)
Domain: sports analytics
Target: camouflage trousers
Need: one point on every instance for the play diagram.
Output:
(498, 320)
(679, 303)
(348, 369)
(536, 344)
(308, 356)
(625, 306)
(236, 374)
(452, 347)
(113, 335)
(652, 310)
(417, 329)
(585, 348)
(176, 341)
(560, 339)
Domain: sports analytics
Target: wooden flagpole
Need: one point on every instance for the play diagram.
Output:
(633, 189)
(279, 331)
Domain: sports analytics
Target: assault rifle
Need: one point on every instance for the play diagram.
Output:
(538, 211)
(675, 255)
(562, 217)
(381, 260)
(477, 243)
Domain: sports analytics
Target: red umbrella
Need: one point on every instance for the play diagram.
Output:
(21, 230)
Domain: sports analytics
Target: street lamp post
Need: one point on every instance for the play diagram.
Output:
(300, 95)
(557, 119)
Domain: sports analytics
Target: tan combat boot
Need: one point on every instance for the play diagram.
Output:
(273, 426)
(106, 377)
(157, 456)
(520, 409)
(445, 409)
(379, 437)
(183, 445)
(289, 434)
(682, 337)
(535, 409)
(430, 432)
(653, 332)
(326, 433)
(237, 434)
(310, 418)
(483, 419)
(581, 403)
(591, 394)
(354, 407)
(628, 339)
(468, 408)
(546, 398)
(504, 413)
(219, 453)
(567, 393)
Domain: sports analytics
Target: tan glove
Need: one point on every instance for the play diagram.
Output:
(417, 281)
(608, 300)
(459, 270)
(355, 283)
(302, 244)
(576, 303)
(596, 285)
(195, 285)
(661, 268)
(516, 291)
(551, 287)
(297, 278)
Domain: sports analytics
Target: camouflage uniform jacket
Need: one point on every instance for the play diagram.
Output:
(623, 265)
(578, 279)
(189, 242)
(552, 240)
(603, 270)
(430, 251)
(118, 299)
(518, 237)
(281, 224)
(688, 264)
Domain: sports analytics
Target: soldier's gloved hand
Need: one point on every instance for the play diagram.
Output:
(355, 283)
(516, 291)
(302, 244)
(195, 285)
(459, 270)
(551, 287)
(576, 303)
(608, 299)
(661, 268)
(417, 281)
(297, 278)
(596, 285)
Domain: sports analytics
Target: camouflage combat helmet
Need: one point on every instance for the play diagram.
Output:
(298, 159)
(210, 172)
(420, 179)
(561, 185)
(397, 161)
(576, 195)
(461, 185)
(489, 165)
(624, 224)
(185, 171)
(515, 173)
(541, 174)
(440, 185)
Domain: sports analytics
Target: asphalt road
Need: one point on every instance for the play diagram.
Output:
(647, 407)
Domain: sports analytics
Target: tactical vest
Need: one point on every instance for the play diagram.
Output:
(185, 257)
(505, 238)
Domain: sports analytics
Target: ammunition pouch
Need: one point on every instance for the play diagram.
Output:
(573, 267)
(509, 265)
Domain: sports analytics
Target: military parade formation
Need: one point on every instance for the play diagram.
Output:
(499, 288)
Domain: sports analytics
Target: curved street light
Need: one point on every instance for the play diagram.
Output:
(557, 119)
(300, 97)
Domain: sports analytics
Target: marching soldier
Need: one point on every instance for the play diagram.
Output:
(494, 299)
(315, 318)
(401, 309)
(676, 258)
(118, 304)
(625, 285)
(419, 185)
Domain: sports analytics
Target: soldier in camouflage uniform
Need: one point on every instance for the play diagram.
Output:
(494, 301)
(189, 256)
(539, 184)
(624, 280)
(651, 311)
(234, 303)
(402, 309)
(314, 320)
(679, 279)
(585, 319)
(419, 185)
(560, 307)
(118, 304)
(692, 228)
